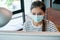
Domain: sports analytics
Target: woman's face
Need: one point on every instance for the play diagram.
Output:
(37, 14)
(37, 11)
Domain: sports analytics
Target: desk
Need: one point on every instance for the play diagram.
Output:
(29, 35)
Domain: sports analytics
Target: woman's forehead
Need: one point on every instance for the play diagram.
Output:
(37, 9)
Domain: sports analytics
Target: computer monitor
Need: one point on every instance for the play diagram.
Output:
(29, 36)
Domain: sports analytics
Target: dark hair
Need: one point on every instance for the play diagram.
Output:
(38, 4)
(43, 8)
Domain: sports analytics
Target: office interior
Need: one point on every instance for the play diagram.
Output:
(21, 8)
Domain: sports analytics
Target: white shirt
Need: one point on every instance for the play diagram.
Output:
(28, 26)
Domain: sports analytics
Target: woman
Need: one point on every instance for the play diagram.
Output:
(38, 21)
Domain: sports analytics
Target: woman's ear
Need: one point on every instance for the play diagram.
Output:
(45, 16)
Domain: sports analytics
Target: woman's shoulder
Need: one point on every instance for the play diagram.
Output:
(50, 22)
(27, 23)
(51, 26)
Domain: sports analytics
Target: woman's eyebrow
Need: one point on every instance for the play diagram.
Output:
(34, 13)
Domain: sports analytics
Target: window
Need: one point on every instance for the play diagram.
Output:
(18, 10)
(12, 5)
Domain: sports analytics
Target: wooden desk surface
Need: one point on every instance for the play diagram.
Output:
(29, 33)
(17, 35)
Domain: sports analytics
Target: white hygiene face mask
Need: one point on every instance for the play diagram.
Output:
(37, 18)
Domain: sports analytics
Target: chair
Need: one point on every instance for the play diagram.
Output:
(54, 16)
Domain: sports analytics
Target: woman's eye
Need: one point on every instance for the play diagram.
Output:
(39, 14)
(33, 13)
